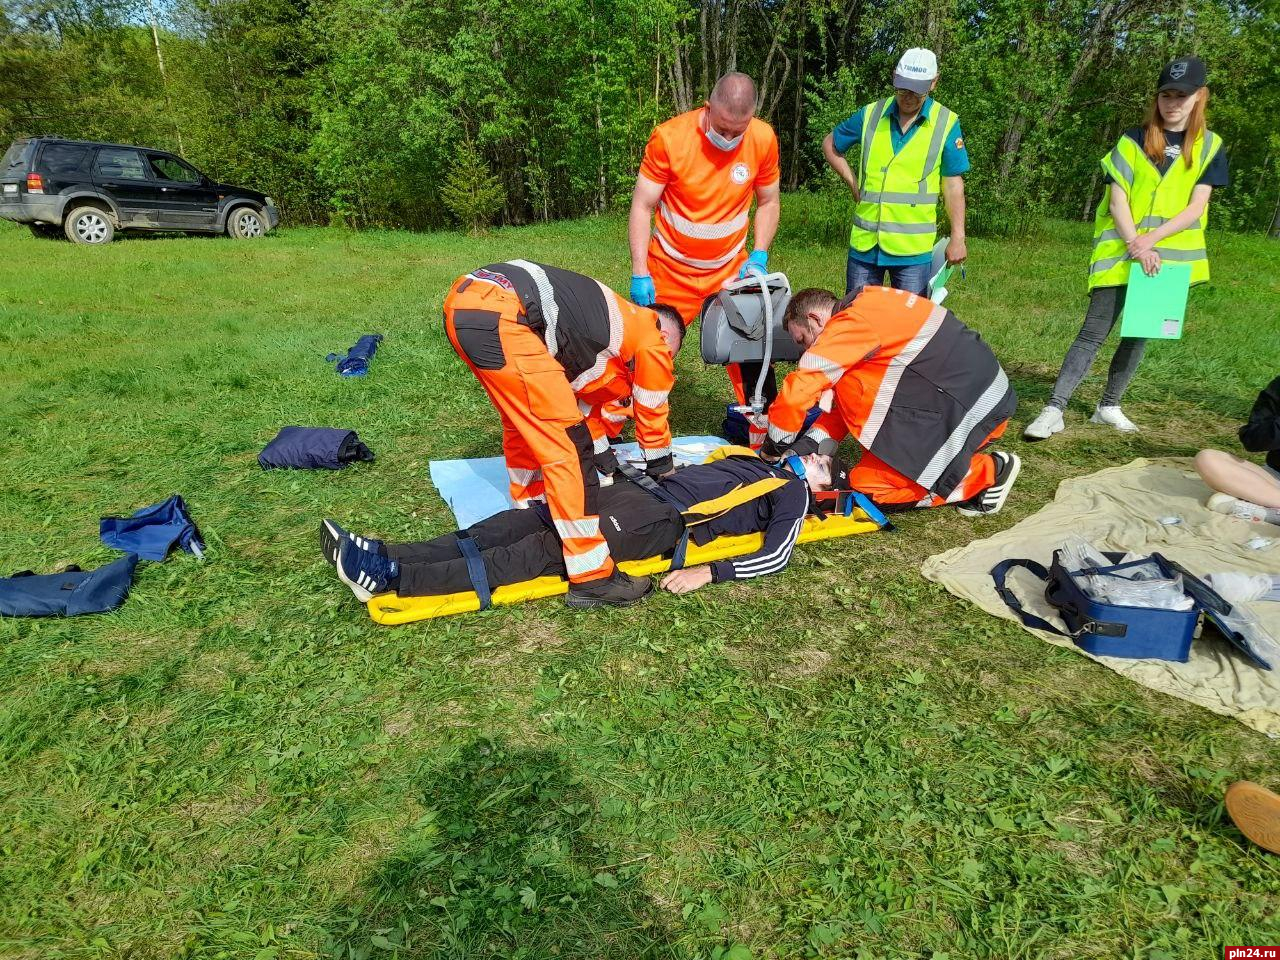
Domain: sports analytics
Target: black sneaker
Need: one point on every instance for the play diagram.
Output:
(366, 573)
(992, 499)
(332, 537)
(619, 590)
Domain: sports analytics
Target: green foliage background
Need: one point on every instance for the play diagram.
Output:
(360, 111)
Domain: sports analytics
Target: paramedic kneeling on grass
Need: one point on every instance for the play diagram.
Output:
(520, 545)
(920, 391)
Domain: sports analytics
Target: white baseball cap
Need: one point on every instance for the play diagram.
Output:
(916, 71)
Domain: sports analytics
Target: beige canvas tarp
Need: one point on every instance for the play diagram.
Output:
(1121, 509)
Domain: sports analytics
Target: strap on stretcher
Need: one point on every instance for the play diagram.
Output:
(475, 568)
(651, 486)
(846, 500)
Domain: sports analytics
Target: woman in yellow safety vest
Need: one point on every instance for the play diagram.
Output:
(1160, 177)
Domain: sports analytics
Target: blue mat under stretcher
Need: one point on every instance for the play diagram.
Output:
(477, 489)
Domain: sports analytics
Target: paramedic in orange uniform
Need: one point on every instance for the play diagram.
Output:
(699, 174)
(552, 347)
(920, 392)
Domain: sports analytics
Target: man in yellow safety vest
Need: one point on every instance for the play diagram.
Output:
(912, 151)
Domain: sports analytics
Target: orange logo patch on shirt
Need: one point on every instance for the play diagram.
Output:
(740, 173)
(959, 143)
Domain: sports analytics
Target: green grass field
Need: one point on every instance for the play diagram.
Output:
(838, 761)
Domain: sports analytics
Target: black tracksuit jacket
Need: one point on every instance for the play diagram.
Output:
(520, 545)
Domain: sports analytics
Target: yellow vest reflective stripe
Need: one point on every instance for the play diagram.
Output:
(1153, 200)
(718, 506)
(898, 204)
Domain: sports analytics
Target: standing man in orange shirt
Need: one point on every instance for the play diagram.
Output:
(700, 172)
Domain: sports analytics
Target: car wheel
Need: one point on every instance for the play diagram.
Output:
(89, 225)
(246, 223)
(44, 231)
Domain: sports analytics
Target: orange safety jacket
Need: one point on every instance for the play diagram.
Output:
(914, 385)
(609, 347)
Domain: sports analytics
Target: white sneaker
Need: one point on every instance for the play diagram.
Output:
(1113, 417)
(1044, 426)
(1235, 507)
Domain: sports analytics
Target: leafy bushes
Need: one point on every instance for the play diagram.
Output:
(427, 113)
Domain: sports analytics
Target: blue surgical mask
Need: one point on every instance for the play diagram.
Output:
(722, 142)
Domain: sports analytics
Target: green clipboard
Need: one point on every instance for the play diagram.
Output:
(1154, 307)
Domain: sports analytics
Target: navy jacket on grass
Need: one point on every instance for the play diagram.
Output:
(67, 594)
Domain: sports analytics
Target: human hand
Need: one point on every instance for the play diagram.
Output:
(758, 258)
(642, 291)
(688, 580)
(1139, 245)
(957, 250)
(1150, 263)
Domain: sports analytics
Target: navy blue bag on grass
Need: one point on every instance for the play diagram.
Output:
(1116, 630)
(67, 594)
(313, 448)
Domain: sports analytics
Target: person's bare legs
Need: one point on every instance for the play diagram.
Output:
(1238, 478)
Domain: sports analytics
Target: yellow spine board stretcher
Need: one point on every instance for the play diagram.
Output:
(390, 609)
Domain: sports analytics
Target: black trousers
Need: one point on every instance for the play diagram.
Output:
(519, 545)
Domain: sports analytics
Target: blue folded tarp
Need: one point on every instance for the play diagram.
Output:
(313, 448)
(152, 532)
(478, 488)
(67, 594)
(356, 362)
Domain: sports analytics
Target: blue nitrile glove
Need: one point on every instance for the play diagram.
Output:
(758, 258)
(642, 292)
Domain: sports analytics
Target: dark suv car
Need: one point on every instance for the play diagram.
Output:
(89, 190)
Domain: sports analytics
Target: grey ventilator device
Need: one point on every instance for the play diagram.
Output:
(743, 322)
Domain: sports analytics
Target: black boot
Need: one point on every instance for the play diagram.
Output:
(619, 590)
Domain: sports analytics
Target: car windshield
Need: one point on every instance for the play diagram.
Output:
(16, 157)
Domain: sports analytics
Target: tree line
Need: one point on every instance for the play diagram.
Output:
(429, 113)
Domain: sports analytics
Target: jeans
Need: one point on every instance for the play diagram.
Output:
(1105, 304)
(912, 276)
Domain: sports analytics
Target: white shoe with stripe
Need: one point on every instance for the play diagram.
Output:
(367, 574)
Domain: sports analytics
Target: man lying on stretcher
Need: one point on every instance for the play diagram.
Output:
(520, 545)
